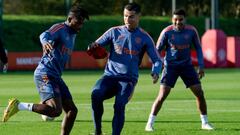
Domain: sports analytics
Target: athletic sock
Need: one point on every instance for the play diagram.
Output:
(25, 106)
(151, 119)
(204, 119)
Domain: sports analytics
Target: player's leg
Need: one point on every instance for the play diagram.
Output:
(49, 91)
(168, 80)
(191, 80)
(202, 106)
(70, 115)
(50, 97)
(162, 95)
(124, 93)
(51, 107)
(200, 99)
(70, 109)
(103, 89)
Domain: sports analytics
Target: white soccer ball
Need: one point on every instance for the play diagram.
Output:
(47, 118)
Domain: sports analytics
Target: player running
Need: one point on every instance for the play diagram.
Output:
(127, 46)
(176, 39)
(57, 43)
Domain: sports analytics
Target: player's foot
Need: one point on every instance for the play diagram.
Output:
(207, 126)
(149, 127)
(11, 109)
(47, 118)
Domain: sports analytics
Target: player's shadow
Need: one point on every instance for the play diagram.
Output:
(172, 121)
(213, 122)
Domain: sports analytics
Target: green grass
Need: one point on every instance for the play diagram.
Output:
(178, 116)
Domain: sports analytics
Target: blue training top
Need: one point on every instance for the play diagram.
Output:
(62, 38)
(126, 51)
(178, 45)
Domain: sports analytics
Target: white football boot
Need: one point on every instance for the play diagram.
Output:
(149, 127)
(207, 126)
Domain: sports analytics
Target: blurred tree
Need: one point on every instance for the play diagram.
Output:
(118, 6)
(152, 7)
(98, 6)
(231, 8)
(41, 7)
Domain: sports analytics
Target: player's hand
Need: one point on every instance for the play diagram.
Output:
(47, 47)
(96, 51)
(92, 46)
(155, 77)
(5, 68)
(201, 73)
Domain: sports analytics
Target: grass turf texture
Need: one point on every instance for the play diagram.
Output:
(178, 116)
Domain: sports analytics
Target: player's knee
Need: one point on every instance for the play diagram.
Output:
(96, 95)
(56, 113)
(119, 108)
(200, 94)
(74, 111)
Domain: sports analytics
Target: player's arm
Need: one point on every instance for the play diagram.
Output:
(96, 50)
(46, 41)
(156, 62)
(197, 45)
(48, 37)
(162, 41)
(105, 39)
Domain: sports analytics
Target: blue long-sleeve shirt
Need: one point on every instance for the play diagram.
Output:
(62, 38)
(126, 51)
(178, 45)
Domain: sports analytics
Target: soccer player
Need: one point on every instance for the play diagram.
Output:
(127, 46)
(177, 39)
(3, 57)
(57, 43)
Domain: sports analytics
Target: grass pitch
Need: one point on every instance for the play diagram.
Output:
(178, 116)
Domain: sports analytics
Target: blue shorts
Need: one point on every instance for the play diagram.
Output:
(50, 87)
(188, 74)
(108, 86)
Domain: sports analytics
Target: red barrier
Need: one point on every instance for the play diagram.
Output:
(23, 61)
(233, 51)
(78, 60)
(81, 60)
(214, 48)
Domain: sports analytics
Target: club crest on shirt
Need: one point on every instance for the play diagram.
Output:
(138, 40)
(45, 79)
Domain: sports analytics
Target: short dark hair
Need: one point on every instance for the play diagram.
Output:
(133, 7)
(79, 12)
(179, 12)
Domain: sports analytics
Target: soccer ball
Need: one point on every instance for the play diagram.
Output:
(47, 118)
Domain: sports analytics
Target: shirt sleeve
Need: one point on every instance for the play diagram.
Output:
(50, 35)
(154, 55)
(197, 45)
(162, 41)
(105, 38)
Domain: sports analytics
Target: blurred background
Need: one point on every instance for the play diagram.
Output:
(22, 22)
(197, 8)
